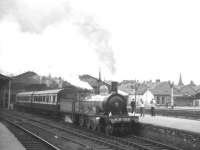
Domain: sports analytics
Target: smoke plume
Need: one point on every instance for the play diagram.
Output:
(99, 37)
(35, 16)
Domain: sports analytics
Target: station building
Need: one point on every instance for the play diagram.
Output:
(5, 91)
(95, 83)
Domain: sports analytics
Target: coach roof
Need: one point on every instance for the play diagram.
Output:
(55, 91)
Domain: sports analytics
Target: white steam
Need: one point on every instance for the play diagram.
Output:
(35, 16)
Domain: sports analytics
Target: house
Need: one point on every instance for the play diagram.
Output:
(183, 95)
(188, 96)
(95, 83)
(142, 92)
(197, 98)
(145, 94)
(162, 93)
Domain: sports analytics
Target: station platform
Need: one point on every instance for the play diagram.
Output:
(171, 122)
(8, 141)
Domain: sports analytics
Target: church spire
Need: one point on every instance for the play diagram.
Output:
(180, 82)
(99, 74)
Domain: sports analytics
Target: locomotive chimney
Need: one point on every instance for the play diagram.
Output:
(114, 87)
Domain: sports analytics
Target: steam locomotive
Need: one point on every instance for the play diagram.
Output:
(104, 112)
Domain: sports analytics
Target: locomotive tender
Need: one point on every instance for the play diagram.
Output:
(104, 113)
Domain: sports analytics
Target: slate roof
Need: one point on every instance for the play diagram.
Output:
(163, 88)
(127, 90)
(188, 90)
(92, 80)
(3, 77)
(197, 88)
(27, 78)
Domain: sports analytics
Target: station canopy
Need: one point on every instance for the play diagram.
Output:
(3, 80)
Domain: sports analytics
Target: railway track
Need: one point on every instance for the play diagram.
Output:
(188, 114)
(66, 134)
(107, 142)
(29, 140)
(150, 143)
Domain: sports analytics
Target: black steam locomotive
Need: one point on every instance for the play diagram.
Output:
(104, 113)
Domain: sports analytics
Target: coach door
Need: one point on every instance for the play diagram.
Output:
(73, 111)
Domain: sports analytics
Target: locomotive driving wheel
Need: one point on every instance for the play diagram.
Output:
(109, 129)
(81, 121)
(88, 124)
(99, 128)
(93, 125)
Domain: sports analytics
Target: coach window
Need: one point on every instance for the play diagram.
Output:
(51, 99)
(43, 98)
(47, 99)
(54, 99)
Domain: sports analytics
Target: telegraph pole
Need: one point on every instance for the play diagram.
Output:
(172, 94)
(136, 88)
(9, 86)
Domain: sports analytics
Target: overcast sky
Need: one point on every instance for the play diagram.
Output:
(127, 39)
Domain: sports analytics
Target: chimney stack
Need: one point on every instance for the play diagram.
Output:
(114, 87)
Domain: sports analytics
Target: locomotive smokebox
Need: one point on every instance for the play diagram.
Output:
(114, 87)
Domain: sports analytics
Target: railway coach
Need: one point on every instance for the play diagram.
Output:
(104, 113)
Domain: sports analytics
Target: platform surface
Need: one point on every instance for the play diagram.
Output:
(172, 122)
(8, 141)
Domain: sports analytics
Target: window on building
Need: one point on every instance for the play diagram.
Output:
(157, 100)
(163, 100)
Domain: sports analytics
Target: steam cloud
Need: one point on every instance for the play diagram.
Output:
(100, 38)
(34, 18)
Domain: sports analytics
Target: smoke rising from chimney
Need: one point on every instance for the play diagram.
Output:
(33, 17)
(99, 37)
